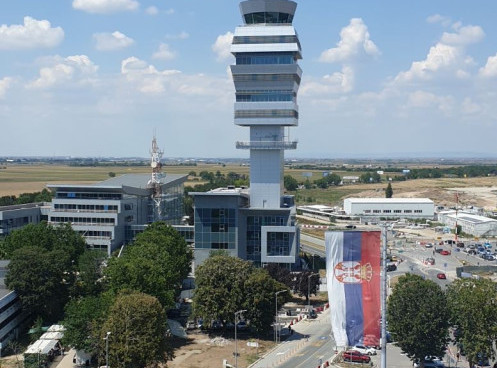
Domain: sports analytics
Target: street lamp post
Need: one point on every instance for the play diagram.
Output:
(236, 341)
(106, 338)
(309, 290)
(276, 325)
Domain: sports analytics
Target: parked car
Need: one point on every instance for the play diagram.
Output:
(391, 267)
(364, 349)
(430, 261)
(190, 325)
(445, 252)
(355, 356)
(428, 245)
(350, 226)
(441, 276)
(242, 325)
(438, 250)
(429, 362)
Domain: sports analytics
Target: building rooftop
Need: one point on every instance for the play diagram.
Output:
(389, 200)
(468, 217)
(139, 180)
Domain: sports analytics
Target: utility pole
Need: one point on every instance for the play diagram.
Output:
(383, 361)
(106, 338)
(236, 341)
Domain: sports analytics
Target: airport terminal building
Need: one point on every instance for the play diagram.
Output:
(369, 208)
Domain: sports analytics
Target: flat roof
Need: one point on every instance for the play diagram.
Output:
(389, 200)
(469, 217)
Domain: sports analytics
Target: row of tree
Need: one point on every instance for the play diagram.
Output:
(421, 316)
(44, 196)
(57, 278)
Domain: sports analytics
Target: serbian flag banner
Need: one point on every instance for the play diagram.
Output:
(353, 278)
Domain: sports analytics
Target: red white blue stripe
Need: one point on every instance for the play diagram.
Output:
(353, 278)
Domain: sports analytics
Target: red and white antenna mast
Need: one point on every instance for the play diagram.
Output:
(457, 208)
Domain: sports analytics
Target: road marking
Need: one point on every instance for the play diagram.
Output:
(284, 352)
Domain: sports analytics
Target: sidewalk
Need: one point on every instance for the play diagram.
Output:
(65, 361)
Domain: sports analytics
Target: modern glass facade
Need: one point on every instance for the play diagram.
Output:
(215, 228)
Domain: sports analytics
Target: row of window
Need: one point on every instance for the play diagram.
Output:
(268, 17)
(266, 78)
(96, 234)
(242, 114)
(258, 221)
(265, 58)
(112, 196)
(394, 211)
(265, 97)
(84, 220)
(264, 39)
(84, 207)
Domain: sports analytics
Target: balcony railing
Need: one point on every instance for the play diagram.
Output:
(267, 145)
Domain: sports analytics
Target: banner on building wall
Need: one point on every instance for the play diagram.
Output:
(353, 276)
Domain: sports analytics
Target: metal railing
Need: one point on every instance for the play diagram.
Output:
(267, 145)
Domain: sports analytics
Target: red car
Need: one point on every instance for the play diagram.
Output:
(445, 252)
(355, 356)
(441, 276)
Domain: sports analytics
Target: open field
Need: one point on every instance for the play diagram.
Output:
(17, 179)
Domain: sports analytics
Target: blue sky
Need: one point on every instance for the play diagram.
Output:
(381, 79)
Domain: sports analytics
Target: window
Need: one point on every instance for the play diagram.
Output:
(418, 211)
(128, 206)
(387, 211)
(376, 211)
(240, 114)
(397, 211)
(219, 228)
(407, 211)
(367, 211)
(219, 245)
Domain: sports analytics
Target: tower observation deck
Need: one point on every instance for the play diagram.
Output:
(267, 78)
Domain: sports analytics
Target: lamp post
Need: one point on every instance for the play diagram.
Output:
(276, 325)
(236, 341)
(106, 338)
(309, 290)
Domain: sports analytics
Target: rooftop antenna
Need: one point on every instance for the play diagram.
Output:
(457, 207)
(155, 181)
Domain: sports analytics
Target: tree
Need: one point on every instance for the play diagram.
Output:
(83, 320)
(136, 323)
(260, 291)
(290, 183)
(48, 237)
(155, 263)
(280, 274)
(88, 281)
(41, 280)
(227, 284)
(302, 283)
(220, 287)
(389, 191)
(417, 315)
(472, 306)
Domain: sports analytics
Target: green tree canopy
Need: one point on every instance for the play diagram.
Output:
(290, 183)
(155, 263)
(389, 191)
(83, 321)
(136, 323)
(418, 315)
(88, 280)
(41, 280)
(48, 237)
(472, 304)
(225, 285)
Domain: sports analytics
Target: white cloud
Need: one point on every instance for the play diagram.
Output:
(464, 36)
(180, 36)
(170, 11)
(77, 69)
(105, 6)
(354, 42)
(490, 68)
(437, 18)
(164, 53)
(338, 82)
(152, 10)
(222, 46)
(147, 78)
(112, 41)
(32, 34)
(4, 86)
(469, 107)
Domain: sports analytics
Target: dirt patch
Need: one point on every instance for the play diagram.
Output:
(202, 350)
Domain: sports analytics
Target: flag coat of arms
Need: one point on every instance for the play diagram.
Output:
(353, 277)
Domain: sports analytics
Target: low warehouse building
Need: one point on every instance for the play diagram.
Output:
(389, 207)
(470, 223)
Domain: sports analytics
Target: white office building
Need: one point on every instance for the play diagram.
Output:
(470, 223)
(389, 207)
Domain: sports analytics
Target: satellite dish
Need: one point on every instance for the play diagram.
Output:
(153, 164)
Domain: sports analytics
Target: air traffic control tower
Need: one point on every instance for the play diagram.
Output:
(267, 78)
(258, 223)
